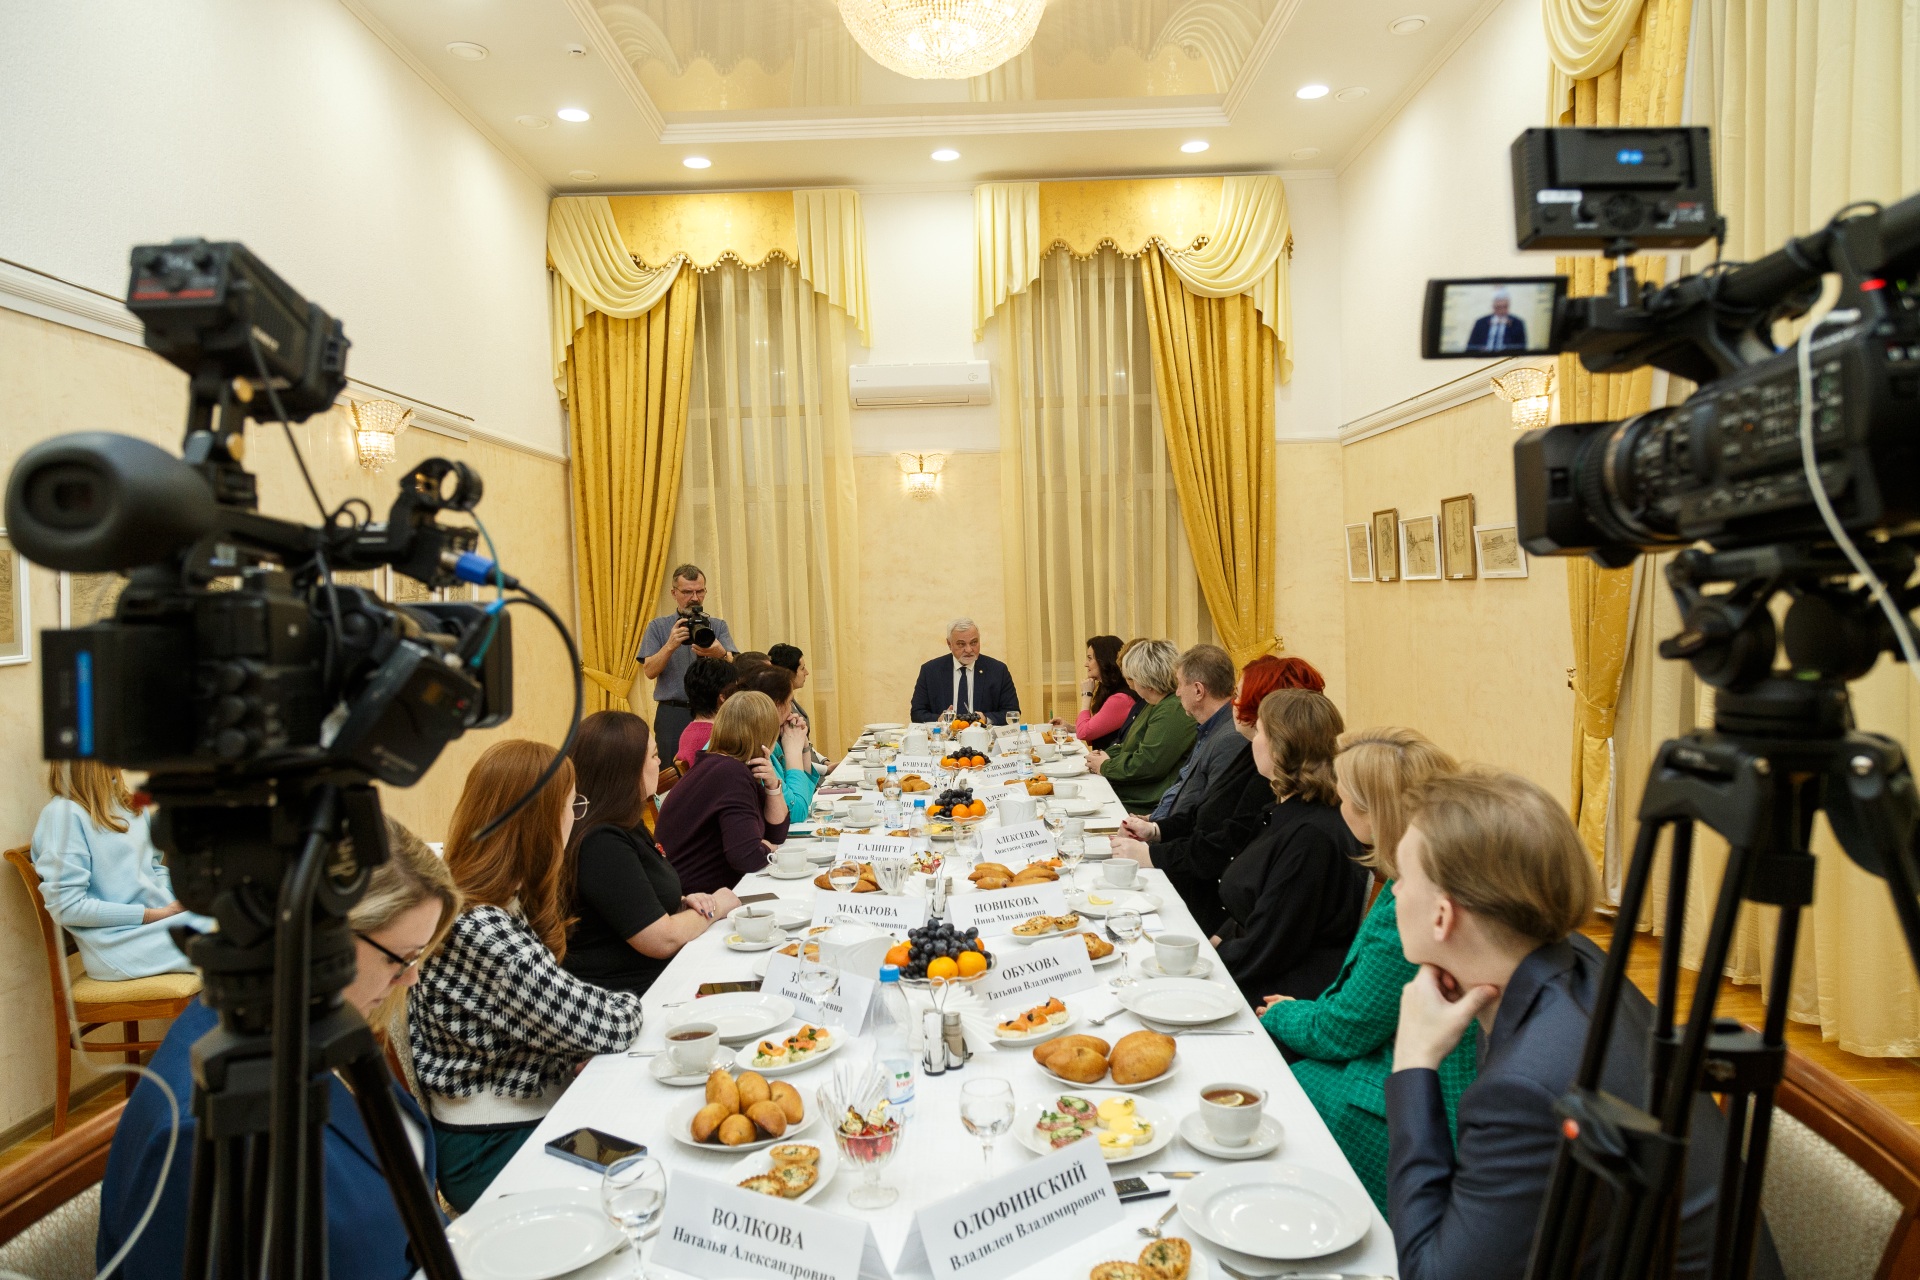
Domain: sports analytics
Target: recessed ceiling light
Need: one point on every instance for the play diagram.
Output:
(946, 153)
(582, 175)
(467, 50)
(697, 162)
(1408, 25)
(1305, 153)
(533, 122)
(1310, 91)
(1195, 147)
(1349, 94)
(573, 115)
(576, 51)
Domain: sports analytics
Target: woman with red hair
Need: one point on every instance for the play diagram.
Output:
(1194, 848)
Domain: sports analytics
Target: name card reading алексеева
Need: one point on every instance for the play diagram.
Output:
(995, 911)
(1009, 1223)
(708, 1228)
(1023, 975)
(1017, 845)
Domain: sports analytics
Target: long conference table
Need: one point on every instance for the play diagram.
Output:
(617, 1093)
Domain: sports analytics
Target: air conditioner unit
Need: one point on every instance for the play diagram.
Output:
(892, 386)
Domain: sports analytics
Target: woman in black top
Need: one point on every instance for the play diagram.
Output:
(631, 918)
(1294, 898)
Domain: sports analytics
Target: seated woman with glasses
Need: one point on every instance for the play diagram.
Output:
(630, 918)
(498, 1028)
(720, 820)
(409, 904)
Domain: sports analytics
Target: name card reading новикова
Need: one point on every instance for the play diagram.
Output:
(1023, 975)
(996, 911)
(709, 1228)
(1009, 1223)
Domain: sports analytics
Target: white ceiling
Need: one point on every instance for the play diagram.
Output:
(1108, 88)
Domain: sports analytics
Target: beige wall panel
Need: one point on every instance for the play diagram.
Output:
(924, 561)
(1310, 586)
(1481, 666)
(59, 380)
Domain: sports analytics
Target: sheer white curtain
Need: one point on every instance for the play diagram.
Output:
(1091, 526)
(767, 504)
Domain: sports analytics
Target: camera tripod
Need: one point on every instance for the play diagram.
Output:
(280, 862)
(1781, 750)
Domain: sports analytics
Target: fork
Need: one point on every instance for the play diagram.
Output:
(1153, 1232)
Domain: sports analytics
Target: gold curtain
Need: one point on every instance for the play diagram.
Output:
(1213, 374)
(1585, 39)
(1644, 87)
(627, 384)
(1089, 509)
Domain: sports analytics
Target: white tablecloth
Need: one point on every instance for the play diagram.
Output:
(938, 1157)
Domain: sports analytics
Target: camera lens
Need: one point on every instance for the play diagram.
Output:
(67, 495)
(94, 501)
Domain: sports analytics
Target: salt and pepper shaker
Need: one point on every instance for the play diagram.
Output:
(933, 1046)
(937, 898)
(956, 1041)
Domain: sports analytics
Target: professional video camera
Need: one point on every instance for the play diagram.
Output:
(699, 626)
(1791, 472)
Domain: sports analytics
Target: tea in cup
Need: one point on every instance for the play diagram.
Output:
(1232, 1112)
(790, 858)
(753, 924)
(1175, 953)
(690, 1045)
(1118, 873)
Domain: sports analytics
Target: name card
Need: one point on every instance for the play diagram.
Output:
(844, 1007)
(1000, 772)
(894, 911)
(1011, 1222)
(1018, 845)
(1024, 975)
(924, 765)
(996, 911)
(867, 848)
(709, 1228)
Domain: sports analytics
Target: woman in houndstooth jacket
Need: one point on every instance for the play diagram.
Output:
(497, 1027)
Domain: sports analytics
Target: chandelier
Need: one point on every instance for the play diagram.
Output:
(922, 472)
(1530, 392)
(942, 39)
(375, 424)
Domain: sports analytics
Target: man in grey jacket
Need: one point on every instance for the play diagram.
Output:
(1206, 676)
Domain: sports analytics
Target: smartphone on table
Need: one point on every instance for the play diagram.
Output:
(594, 1149)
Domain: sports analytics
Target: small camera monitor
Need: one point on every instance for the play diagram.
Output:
(1489, 319)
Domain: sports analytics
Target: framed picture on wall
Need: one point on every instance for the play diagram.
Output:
(1500, 552)
(1386, 545)
(404, 590)
(16, 630)
(1420, 549)
(1456, 538)
(1359, 553)
(87, 598)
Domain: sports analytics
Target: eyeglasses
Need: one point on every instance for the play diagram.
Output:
(580, 804)
(400, 963)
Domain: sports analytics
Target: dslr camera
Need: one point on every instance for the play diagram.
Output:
(699, 626)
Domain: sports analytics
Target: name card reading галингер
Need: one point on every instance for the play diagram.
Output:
(894, 911)
(846, 1006)
(711, 1229)
(866, 848)
(1009, 1223)
(1024, 975)
(1017, 845)
(995, 911)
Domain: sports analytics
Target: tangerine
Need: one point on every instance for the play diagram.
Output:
(940, 968)
(901, 954)
(978, 808)
(972, 964)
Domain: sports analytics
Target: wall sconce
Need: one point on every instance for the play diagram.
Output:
(922, 472)
(376, 424)
(1530, 392)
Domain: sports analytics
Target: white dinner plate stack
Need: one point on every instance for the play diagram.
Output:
(1275, 1213)
(536, 1235)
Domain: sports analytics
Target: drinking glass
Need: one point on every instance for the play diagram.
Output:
(817, 980)
(843, 877)
(986, 1109)
(633, 1191)
(1071, 852)
(1012, 718)
(966, 846)
(945, 721)
(1125, 926)
(866, 1130)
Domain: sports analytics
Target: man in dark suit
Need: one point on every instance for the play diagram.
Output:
(967, 680)
(1500, 331)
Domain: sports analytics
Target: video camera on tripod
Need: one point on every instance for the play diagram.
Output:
(1792, 471)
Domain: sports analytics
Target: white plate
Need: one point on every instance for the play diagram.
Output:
(1049, 936)
(1279, 1212)
(740, 1015)
(1151, 968)
(1108, 1082)
(1112, 957)
(759, 1162)
(680, 1125)
(1072, 768)
(1265, 1141)
(1079, 808)
(661, 1069)
(1181, 1002)
(1118, 900)
(1025, 1120)
(1019, 1042)
(734, 942)
(789, 915)
(804, 873)
(533, 1236)
(743, 1058)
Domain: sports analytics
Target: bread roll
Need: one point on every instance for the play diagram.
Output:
(1046, 1051)
(721, 1089)
(768, 1118)
(1143, 1055)
(788, 1099)
(707, 1119)
(990, 869)
(1079, 1064)
(736, 1131)
(753, 1088)
(992, 882)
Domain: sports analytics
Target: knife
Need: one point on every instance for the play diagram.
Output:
(1180, 1174)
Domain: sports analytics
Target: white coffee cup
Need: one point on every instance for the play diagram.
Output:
(789, 858)
(755, 924)
(915, 743)
(875, 754)
(1232, 1124)
(1175, 952)
(690, 1045)
(1119, 873)
(861, 813)
(976, 738)
(1065, 790)
(1017, 808)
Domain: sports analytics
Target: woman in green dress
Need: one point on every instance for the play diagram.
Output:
(1147, 760)
(1341, 1044)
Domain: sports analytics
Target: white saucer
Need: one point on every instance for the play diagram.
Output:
(1151, 968)
(804, 873)
(737, 943)
(1265, 1141)
(662, 1066)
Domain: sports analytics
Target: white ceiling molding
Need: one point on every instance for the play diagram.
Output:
(1448, 395)
(609, 50)
(467, 113)
(1419, 82)
(954, 124)
(1270, 35)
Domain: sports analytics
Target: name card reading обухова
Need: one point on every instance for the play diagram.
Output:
(708, 1228)
(996, 911)
(1024, 975)
(1009, 1223)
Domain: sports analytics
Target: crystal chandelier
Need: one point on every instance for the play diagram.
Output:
(942, 39)
(375, 425)
(1530, 392)
(922, 472)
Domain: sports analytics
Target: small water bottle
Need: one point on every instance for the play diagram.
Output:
(890, 1023)
(919, 823)
(890, 784)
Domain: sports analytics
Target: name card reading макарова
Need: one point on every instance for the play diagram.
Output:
(894, 911)
(1023, 975)
(708, 1228)
(996, 911)
(1013, 1221)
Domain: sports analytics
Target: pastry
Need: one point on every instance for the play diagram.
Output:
(707, 1120)
(1120, 1271)
(752, 1087)
(1098, 948)
(769, 1118)
(1080, 1065)
(764, 1184)
(787, 1098)
(794, 1153)
(992, 882)
(736, 1131)
(1168, 1258)
(796, 1179)
(1039, 787)
(990, 869)
(1046, 1051)
(721, 1089)
(1066, 923)
(1036, 875)
(1142, 1056)
(1034, 928)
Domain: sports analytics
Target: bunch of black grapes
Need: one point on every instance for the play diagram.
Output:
(938, 938)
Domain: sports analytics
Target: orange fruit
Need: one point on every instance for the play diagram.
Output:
(940, 968)
(972, 964)
(978, 808)
(901, 954)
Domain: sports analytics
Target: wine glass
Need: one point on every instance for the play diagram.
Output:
(633, 1191)
(966, 846)
(986, 1109)
(1071, 852)
(945, 722)
(817, 980)
(1125, 926)
(1011, 719)
(843, 877)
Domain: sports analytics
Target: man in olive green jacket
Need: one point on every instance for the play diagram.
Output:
(1148, 760)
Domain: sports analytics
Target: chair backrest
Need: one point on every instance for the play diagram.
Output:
(50, 934)
(1842, 1191)
(69, 1164)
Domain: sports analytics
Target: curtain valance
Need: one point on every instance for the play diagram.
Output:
(1222, 236)
(619, 255)
(1584, 39)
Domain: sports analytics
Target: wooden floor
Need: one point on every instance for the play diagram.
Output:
(104, 1101)
(1892, 1082)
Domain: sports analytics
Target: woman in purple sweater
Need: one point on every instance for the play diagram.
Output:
(717, 822)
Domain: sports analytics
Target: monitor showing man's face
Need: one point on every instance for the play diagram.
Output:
(1496, 318)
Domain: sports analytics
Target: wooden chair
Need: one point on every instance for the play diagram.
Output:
(95, 1003)
(50, 1203)
(1842, 1191)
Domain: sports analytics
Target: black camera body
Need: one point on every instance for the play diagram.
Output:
(1574, 187)
(699, 627)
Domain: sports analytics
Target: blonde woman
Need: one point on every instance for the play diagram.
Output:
(103, 879)
(409, 905)
(1148, 758)
(719, 821)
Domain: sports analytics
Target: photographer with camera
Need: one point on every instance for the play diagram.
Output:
(669, 647)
